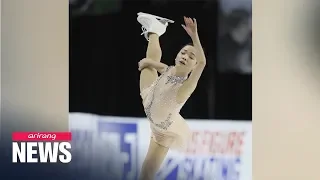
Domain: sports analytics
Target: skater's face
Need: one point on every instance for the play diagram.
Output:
(186, 58)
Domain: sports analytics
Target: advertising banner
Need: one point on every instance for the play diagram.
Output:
(115, 147)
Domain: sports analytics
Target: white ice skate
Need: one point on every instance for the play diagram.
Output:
(152, 24)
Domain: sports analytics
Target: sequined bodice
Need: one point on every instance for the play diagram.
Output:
(160, 103)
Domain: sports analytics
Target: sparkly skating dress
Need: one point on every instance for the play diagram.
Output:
(168, 127)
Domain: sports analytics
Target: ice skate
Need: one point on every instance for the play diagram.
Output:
(153, 24)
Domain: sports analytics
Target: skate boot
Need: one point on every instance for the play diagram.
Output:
(152, 24)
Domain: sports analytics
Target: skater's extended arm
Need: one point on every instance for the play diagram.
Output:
(160, 67)
(191, 83)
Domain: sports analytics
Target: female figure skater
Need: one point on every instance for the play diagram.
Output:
(164, 96)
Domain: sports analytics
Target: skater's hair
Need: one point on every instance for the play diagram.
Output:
(189, 44)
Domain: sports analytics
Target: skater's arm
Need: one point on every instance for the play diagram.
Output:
(145, 63)
(190, 84)
(200, 56)
(201, 63)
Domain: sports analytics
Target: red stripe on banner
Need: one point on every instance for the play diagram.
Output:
(41, 136)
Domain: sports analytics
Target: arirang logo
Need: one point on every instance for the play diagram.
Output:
(50, 147)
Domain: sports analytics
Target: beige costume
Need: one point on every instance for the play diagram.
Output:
(168, 127)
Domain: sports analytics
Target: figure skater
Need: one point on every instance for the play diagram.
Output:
(164, 96)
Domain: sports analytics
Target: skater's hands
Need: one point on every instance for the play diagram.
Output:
(190, 26)
(144, 63)
(159, 66)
